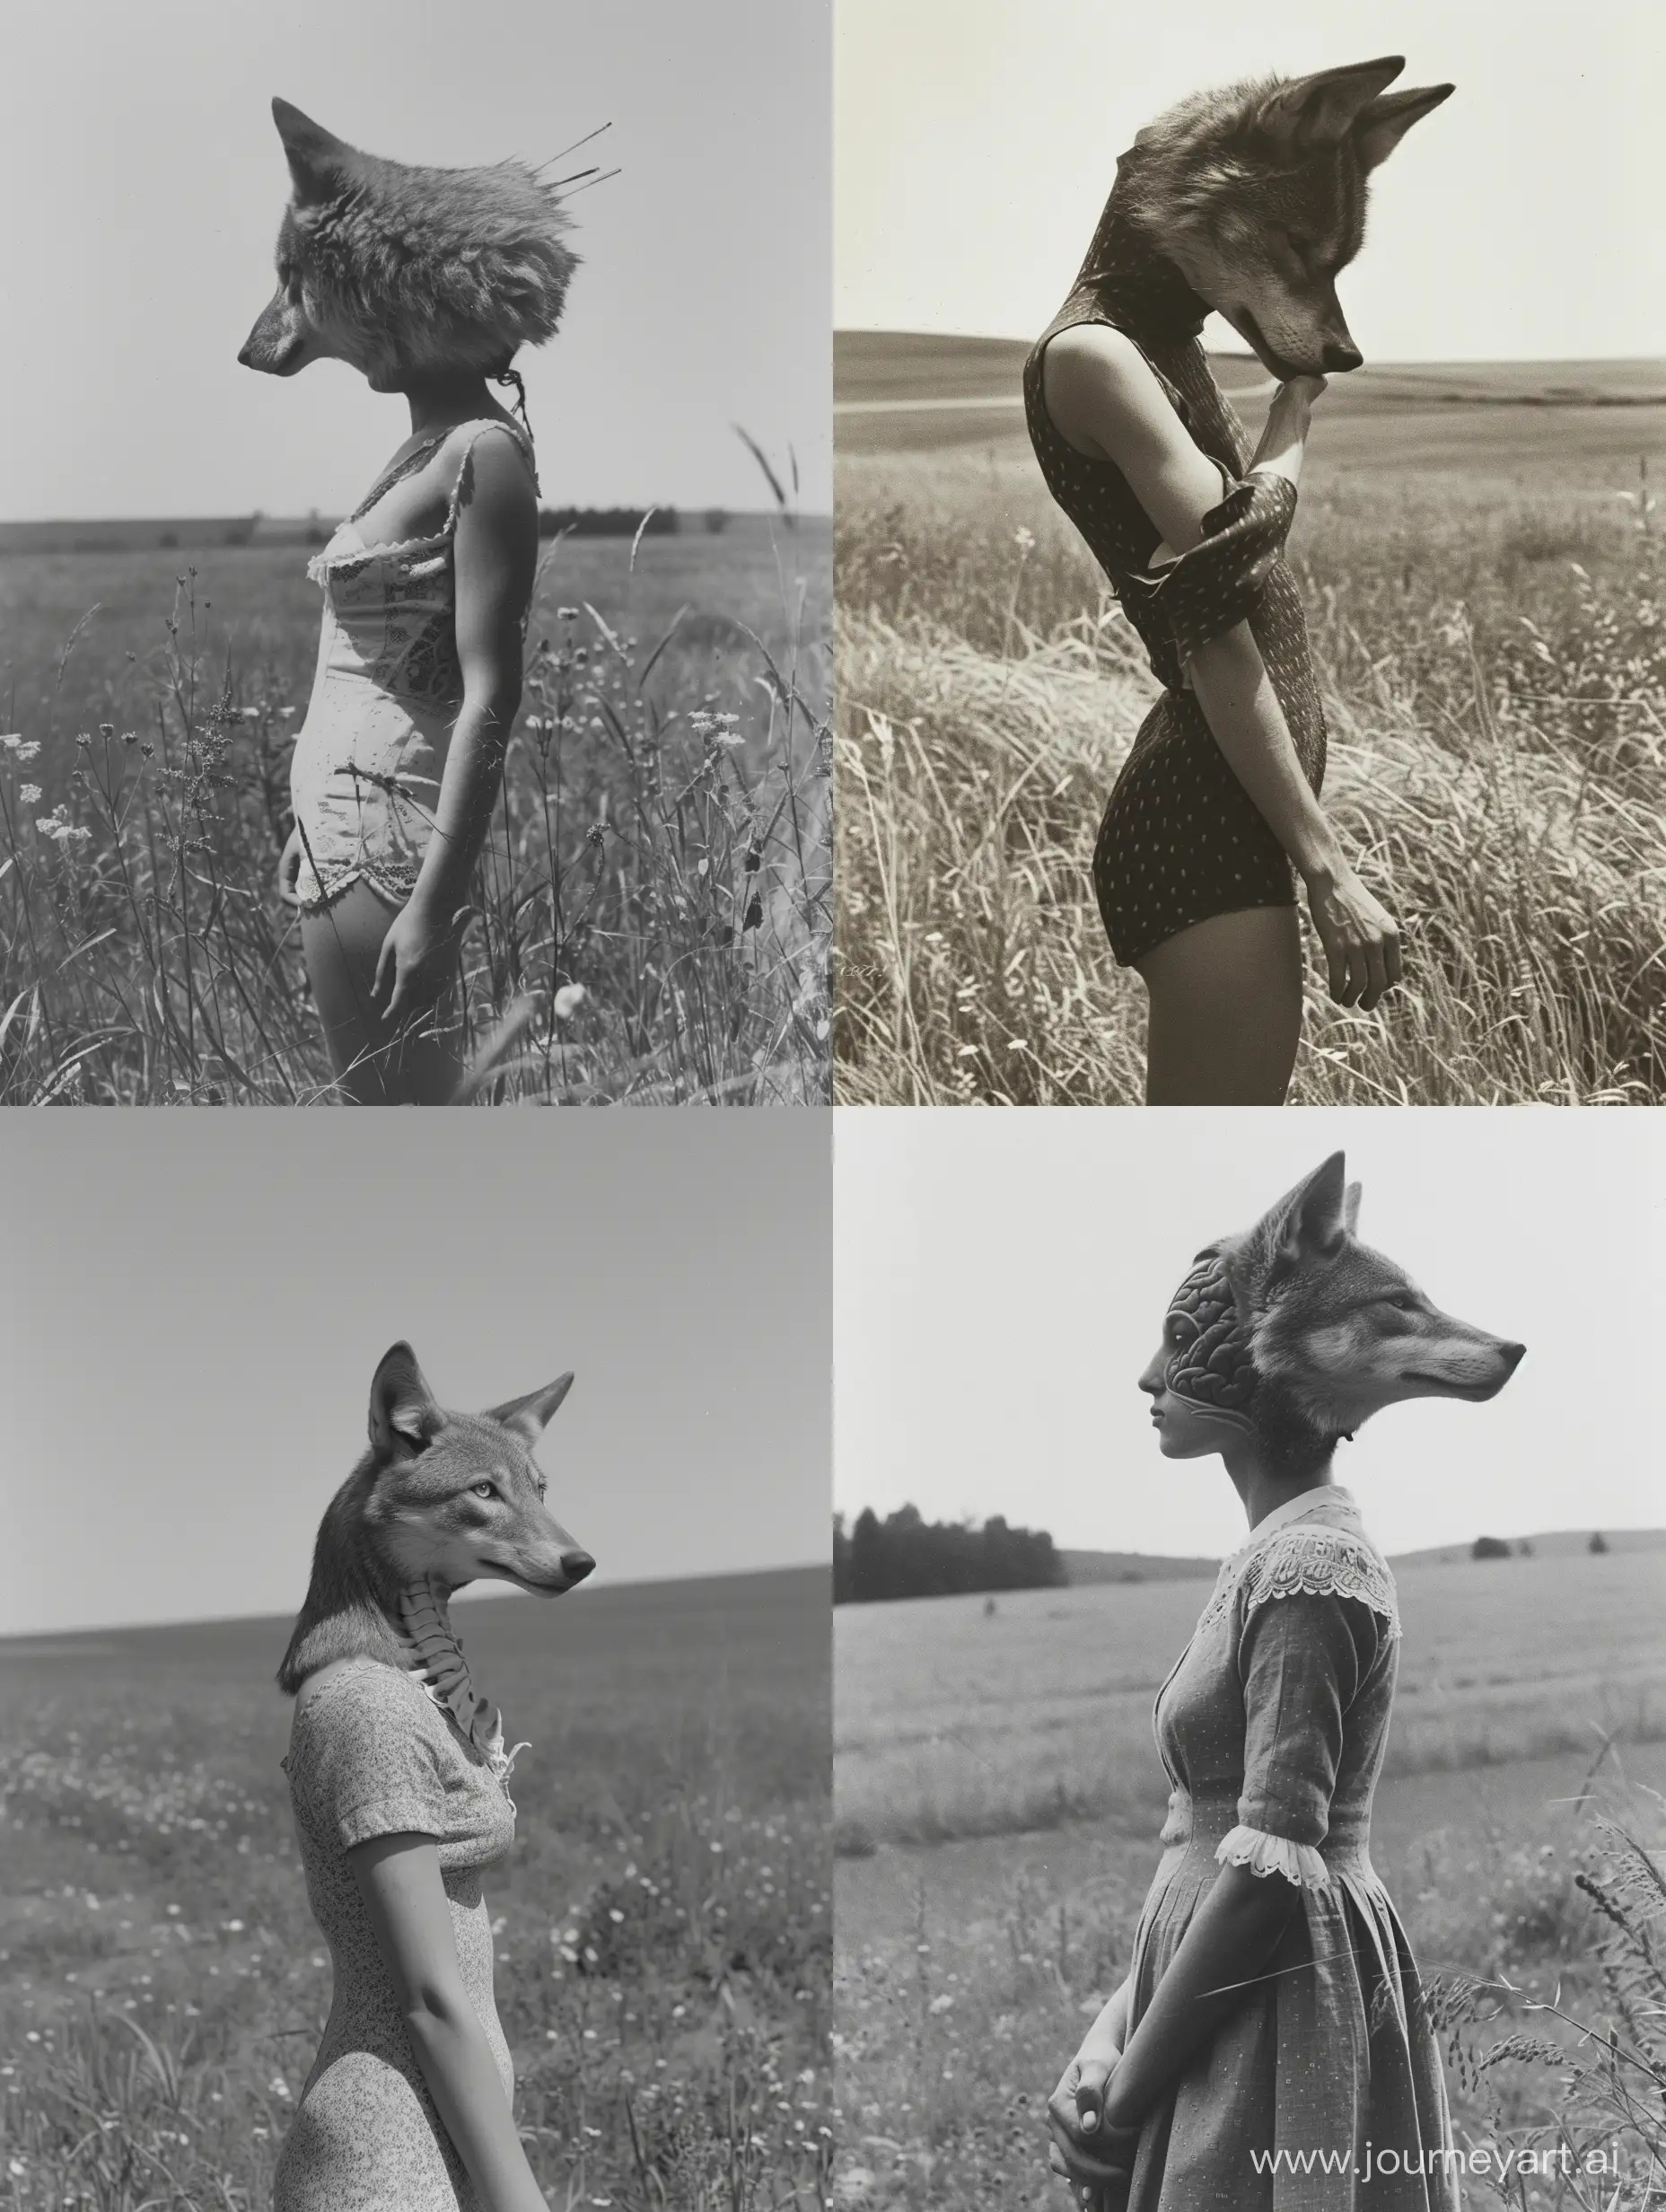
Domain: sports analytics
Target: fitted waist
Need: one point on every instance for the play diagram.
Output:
(1201, 1822)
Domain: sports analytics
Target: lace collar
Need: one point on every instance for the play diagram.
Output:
(1314, 1544)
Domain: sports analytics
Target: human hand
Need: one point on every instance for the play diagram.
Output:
(289, 870)
(1298, 393)
(1362, 939)
(1096, 2158)
(414, 962)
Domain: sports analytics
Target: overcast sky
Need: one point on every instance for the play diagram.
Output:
(192, 1305)
(1001, 1280)
(975, 142)
(143, 180)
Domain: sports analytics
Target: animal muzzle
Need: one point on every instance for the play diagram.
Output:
(554, 1578)
(1477, 1371)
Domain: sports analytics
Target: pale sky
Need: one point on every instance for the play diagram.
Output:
(975, 142)
(1001, 1279)
(144, 181)
(192, 1304)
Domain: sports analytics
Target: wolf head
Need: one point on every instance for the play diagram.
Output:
(456, 1497)
(403, 271)
(1256, 193)
(1297, 1331)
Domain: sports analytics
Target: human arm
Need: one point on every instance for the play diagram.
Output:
(496, 559)
(1105, 399)
(289, 869)
(398, 1879)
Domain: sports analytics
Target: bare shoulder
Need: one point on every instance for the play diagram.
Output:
(495, 479)
(1102, 391)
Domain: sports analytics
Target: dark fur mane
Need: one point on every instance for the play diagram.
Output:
(351, 1596)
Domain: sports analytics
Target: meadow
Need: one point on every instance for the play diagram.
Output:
(664, 1922)
(998, 1796)
(653, 910)
(1478, 550)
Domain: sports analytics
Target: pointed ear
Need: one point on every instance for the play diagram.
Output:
(529, 1417)
(1350, 1210)
(402, 1411)
(316, 159)
(1319, 111)
(1308, 1222)
(1381, 124)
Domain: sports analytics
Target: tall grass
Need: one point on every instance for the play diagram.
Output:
(650, 916)
(1494, 680)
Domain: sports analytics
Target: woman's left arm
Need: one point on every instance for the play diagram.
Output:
(495, 560)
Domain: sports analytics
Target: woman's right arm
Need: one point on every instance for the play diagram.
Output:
(1105, 401)
(398, 1878)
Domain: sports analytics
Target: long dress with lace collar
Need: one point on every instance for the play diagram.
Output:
(364, 777)
(1271, 1728)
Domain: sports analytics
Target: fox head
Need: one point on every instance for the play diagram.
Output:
(1298, 1331)
(1257, 192)
(455, 1496)
(402, 271)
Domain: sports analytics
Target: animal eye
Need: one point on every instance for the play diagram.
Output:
(484, 1489)
(1402, 1304)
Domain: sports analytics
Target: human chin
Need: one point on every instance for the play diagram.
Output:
(1184, 1432)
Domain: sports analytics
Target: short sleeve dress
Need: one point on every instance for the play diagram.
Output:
(1323, 2091)
(370, 1754)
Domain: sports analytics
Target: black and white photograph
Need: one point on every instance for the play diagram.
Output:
(1249, 1679)
(414, 1667)
(1248, 436)
(415, 565)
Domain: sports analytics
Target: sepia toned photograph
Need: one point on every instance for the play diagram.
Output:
(415, 557)
(414, 1689)
(1249, 440)
(1250, 1559)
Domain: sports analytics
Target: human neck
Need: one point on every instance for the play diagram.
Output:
(1128, 271)
(1264, 1486)
(438, 402)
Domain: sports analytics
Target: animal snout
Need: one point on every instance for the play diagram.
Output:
(1513, 1356)
(243, 360)
(1340, 356)
(575, 1566)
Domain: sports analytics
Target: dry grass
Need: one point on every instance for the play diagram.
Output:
(652, 912)
(662, 1924)
(1494, 673)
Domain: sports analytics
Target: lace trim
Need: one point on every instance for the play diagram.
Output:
(1298, 1862)
(1321, 1562)
(322, 563)
(1310, 1559)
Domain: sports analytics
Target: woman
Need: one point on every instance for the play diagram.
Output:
(425, 280)
(399, 1781)
(1249, 202)
(1271, 2048)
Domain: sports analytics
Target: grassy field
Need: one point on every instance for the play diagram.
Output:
(1480, 559)
(664, 1922)
(982, 1918)
(673, 865)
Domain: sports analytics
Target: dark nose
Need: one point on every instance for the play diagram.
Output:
(1514, 1353)
(243, 358)
(575, 1566)
(1340, 356)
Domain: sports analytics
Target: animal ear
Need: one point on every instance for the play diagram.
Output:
(1350, 1209)
(402, 1411)
(530, 1416)
(1381, 125)
(1308, 1222)
(316, 158)
(1319, 111)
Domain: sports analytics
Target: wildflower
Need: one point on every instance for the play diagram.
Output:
(569, 1000)
(1024, 539)
(29, 794)
(57, 824)
(596, 836)
(21, 749)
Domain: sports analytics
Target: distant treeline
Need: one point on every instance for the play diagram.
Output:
(906, 1556)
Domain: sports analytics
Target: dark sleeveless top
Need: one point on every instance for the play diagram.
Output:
(1181, 840)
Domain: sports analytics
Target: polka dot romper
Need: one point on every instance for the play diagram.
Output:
(1181, 840)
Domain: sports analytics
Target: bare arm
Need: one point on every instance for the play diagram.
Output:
(398, 1878)
(495, 562)
(1105, 401)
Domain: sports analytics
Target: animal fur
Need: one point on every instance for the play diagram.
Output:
(404, 271)
(407, 1518)
(1257, 192)
(1337, 1330)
